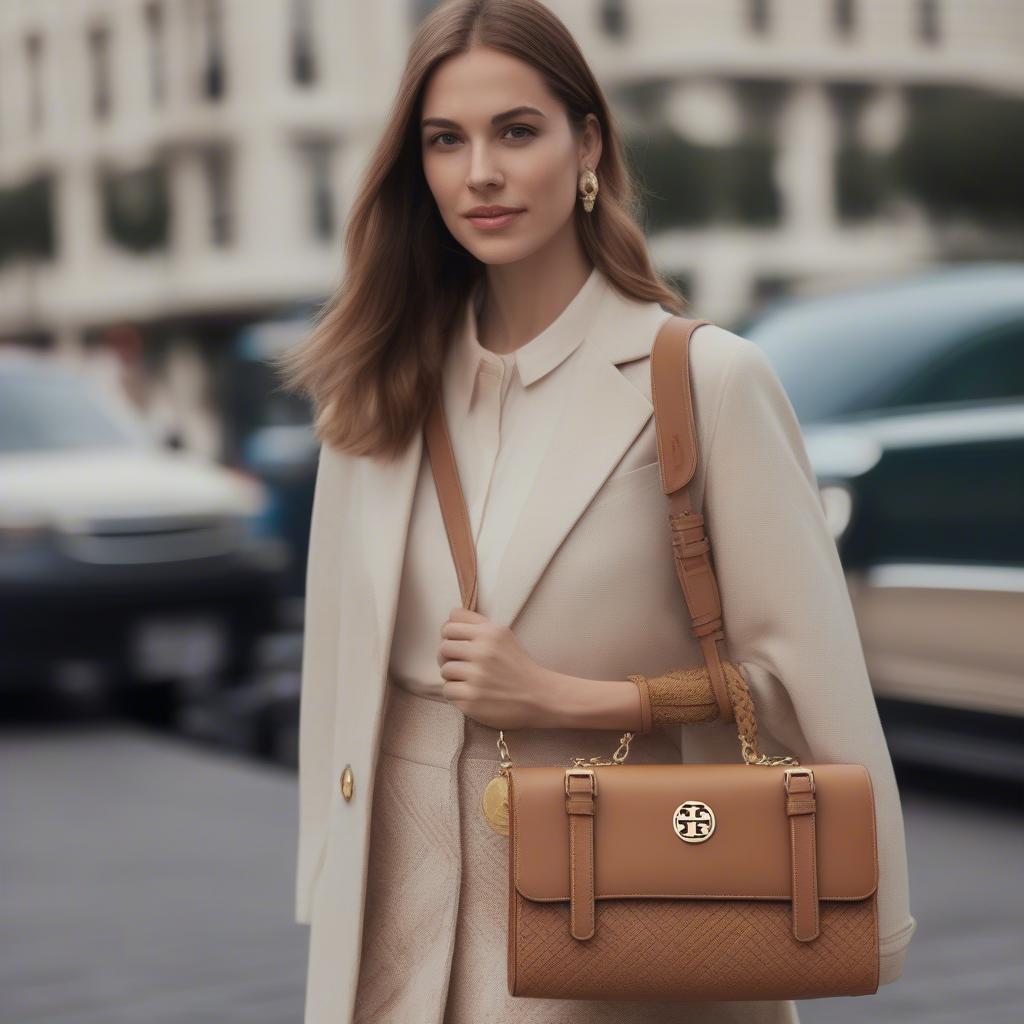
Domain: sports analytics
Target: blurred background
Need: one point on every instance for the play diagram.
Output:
(838, 180)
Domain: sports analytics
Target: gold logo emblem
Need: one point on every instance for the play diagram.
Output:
(693, 821)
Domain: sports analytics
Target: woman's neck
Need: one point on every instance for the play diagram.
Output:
(518, 302)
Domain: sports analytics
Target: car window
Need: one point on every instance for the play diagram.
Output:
(844, 358)
(39, 412)
(860, 352)
(986, 368)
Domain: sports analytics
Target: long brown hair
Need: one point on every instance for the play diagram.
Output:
(373, 361)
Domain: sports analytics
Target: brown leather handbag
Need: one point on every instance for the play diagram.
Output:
(753, 880)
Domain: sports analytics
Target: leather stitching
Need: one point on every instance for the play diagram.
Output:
(591, 912)
(814, 876)
(572, 874)
(792, 869)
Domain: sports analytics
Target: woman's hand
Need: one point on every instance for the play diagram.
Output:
(489, 676)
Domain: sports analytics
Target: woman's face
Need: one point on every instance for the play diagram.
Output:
(476, 153)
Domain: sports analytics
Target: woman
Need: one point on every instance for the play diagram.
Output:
(537, 327)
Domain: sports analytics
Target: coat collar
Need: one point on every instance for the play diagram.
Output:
(603, 414)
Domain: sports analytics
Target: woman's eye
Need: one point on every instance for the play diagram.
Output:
(448, 135)
(529, 131)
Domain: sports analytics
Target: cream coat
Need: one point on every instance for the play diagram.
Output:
(589, 587)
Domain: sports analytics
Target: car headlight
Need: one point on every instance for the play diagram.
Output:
(837, 503)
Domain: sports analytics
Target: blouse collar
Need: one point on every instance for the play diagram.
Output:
(540, 355)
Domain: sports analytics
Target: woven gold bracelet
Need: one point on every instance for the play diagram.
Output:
(682, 695)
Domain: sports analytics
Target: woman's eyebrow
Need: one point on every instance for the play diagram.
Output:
(444, 122)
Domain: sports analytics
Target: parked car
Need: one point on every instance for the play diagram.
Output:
(270, 434)
(910, 395)
(149, 563)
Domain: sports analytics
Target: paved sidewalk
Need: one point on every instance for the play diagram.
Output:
(966, 879)
(145, 879)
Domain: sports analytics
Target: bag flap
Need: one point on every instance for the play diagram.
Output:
(638, 853)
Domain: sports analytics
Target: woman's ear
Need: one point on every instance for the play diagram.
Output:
(591, 143)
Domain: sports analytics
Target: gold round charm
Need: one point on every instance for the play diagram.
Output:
(694, 821)
(494, 804)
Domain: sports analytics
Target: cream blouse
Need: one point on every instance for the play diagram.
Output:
(500, 411)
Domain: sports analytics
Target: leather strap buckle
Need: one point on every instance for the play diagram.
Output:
(582, 773)
(790, 772)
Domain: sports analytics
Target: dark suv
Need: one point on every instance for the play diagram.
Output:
(911, 399)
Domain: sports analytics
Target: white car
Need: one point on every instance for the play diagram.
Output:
(117, 551)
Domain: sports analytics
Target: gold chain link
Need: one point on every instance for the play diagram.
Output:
(620, 755)
(751, 755)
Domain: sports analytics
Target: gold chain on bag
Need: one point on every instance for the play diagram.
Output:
(494, 800)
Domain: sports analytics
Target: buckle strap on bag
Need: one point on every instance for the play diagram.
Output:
(676, 434)
(801, 807)
(580, 794)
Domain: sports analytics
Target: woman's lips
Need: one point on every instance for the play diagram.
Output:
(490, 223)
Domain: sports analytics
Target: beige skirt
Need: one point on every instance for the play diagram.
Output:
(435, 919)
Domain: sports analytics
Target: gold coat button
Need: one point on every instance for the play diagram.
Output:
(347, 780)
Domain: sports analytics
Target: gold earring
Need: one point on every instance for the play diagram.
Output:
(588, 189)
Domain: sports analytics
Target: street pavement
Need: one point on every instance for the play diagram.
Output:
(145, 880)
(148, 879)
(965, 842)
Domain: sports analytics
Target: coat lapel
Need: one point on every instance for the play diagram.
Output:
(603, 414)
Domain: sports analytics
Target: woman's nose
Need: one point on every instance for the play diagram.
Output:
(482, 168)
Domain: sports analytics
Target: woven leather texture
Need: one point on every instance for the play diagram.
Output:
(681, 695)
(664, 949)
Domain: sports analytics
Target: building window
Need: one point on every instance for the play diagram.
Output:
(34, 66)
(154, 15)
(613, 18)
(27, 220)
(302, 42)
(321, 194)
(136, 208)
(928, 21)
(769, 288)
(216, 167)
(99, 65)
(844, 16)
(758, 16)
(213, 74)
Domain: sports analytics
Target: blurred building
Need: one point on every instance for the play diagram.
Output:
(767, 130)
(179, 168)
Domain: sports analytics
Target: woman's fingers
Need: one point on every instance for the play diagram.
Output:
(453, 650)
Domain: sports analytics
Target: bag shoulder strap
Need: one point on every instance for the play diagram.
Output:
(676, 433)
(453, 501)
(677, 455)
